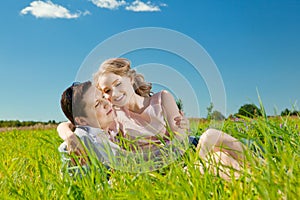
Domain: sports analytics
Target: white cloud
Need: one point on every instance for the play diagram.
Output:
(47, 9)
(86, 13)
(41, 9)
(139, 6)
(163, 5)
(110, 4)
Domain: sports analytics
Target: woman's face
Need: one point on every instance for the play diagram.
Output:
(118, 89)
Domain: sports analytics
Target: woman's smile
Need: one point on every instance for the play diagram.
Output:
(119, 98)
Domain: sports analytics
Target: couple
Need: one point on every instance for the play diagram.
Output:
(119, 104)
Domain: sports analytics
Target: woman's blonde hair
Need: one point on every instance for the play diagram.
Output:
(121, 67)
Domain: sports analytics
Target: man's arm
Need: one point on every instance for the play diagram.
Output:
(65, 131)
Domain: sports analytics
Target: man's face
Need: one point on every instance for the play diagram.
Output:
(99, 111)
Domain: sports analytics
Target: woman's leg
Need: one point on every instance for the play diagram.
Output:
(222, 164)
(214, 140)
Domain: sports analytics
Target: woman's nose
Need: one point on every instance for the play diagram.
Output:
(114, 93)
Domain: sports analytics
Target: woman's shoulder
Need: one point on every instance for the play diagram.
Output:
(166, 96)
(161, 94)
(162, 98)
(157, 97)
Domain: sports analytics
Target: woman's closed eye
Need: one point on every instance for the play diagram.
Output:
(106, 91)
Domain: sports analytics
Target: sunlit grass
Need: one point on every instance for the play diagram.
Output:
(30, 168)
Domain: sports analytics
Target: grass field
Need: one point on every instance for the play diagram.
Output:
(30, 168)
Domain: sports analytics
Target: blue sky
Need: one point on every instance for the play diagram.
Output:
(254, 44)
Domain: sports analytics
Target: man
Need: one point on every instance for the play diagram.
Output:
(84, 106)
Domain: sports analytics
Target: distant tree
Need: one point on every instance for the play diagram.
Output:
(51, 122)
(287, 112)
(209, 111)
(179, 104)
(216, 115)
(16, 123)
(295, 113)
(249, 110)
(213, 114)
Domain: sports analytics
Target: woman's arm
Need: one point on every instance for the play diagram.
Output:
(174, 119)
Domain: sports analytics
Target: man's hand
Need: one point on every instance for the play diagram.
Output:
(75, 147)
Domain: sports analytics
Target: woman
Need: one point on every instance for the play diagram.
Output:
(140, 114)
(128, 91)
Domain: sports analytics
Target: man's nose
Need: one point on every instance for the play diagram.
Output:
(105, 104)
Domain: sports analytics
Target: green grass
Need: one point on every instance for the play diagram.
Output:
(30, 169)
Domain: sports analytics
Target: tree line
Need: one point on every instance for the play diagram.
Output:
(17, 123)
(246, 110)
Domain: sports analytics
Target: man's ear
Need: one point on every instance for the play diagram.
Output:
(81, 121)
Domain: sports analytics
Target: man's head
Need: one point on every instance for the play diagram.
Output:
(83, 104)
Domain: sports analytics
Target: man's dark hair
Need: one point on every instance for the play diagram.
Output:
(71, 101)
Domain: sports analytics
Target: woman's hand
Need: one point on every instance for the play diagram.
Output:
(182, 122)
